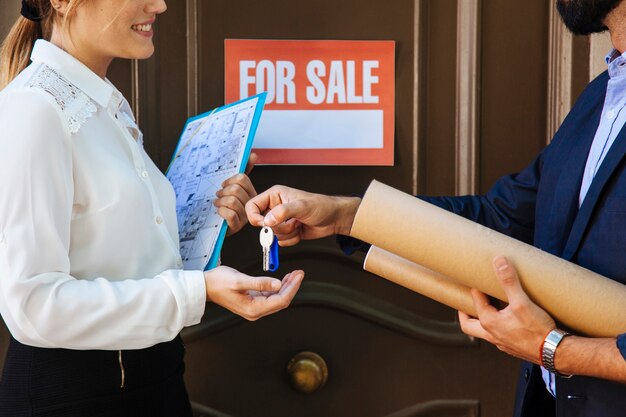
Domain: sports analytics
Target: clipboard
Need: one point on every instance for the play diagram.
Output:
(212, 147)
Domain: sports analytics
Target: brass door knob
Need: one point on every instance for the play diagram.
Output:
(307, 372)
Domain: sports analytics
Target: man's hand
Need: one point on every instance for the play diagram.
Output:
(520, 328)
(297, 215)
(250, 297)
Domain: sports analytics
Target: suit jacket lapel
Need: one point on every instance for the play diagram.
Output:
(565, 199)
(612, 160)
(573, 141)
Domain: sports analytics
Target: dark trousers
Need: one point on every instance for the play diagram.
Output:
(40, 382)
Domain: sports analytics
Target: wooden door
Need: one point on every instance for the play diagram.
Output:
(388, 351)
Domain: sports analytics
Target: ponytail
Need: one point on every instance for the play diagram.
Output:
(16, 49)
(18, 45)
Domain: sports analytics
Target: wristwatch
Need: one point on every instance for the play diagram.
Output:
(548, 350)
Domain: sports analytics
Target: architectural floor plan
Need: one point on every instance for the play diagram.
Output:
(212, 148)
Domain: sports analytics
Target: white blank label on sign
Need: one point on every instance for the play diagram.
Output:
(320, 129)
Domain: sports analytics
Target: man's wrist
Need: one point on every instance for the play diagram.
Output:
(348, 207)
(595, 357)
(346, 211)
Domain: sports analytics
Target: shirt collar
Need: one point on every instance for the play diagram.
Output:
(611, 56)
(616, 63)
(98, 89)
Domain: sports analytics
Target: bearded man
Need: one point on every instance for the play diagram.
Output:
(571, 202)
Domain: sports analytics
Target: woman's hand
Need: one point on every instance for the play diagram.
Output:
(231, 201)
(250, 297)
(233, 196)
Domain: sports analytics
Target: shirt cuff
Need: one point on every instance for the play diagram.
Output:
(621, 344)
(196, 294)
(349, 245)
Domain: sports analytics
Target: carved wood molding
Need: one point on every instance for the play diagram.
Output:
(559, 73)
(192, 57)
(135, 80)
(350, 301)
(452, 408)
(344, 299)
(467, 95)
(417, 38)
(599, 45)
(201, 410)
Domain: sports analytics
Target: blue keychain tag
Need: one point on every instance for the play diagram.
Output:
(274, 255)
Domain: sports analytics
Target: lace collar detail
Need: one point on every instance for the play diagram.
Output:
(75, 105)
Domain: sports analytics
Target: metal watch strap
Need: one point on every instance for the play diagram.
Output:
(548, 350)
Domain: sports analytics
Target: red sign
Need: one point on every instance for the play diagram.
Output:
(328, 102)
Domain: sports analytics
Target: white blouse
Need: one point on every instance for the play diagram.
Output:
(89, 250)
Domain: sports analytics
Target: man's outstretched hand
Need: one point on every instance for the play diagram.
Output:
(297, 215)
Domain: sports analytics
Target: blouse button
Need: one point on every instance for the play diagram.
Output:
(159, 219)
(144, 174)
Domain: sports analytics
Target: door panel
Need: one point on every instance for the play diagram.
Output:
(388, 350)
(321, 19)
(437, 65)
(514, 83)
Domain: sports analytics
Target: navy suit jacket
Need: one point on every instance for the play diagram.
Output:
(539, 205)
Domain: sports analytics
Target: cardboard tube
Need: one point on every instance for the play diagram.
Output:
(463, 250)
(419, 279)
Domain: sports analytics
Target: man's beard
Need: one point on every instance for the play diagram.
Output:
(583, 17)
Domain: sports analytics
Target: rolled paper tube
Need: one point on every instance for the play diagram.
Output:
(579, 299)
(419, 279)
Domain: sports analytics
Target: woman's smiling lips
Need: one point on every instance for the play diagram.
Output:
(143, 29)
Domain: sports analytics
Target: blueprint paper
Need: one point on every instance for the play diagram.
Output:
(213, 147)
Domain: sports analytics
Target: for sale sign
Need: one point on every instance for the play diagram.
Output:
(328, 102)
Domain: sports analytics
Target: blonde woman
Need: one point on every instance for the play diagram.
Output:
(91, 281)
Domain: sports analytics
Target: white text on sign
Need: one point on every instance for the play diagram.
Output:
(336, 83)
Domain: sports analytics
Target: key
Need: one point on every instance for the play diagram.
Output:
(266, 238)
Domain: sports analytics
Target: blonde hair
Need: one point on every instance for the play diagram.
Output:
(18, 45)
